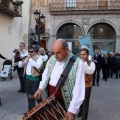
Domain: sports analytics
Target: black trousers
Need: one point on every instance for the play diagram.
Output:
(105, 73)
(96, 76)
(21, 78)
(31, 88)
(84, 108)
(117, 72)
(111, 72)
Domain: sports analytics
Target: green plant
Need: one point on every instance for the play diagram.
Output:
(17, 3)
(5, 2)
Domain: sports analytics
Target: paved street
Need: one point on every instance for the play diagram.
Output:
(104, 103)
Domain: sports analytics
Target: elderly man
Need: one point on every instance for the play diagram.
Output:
(89, 68)
(73, 96)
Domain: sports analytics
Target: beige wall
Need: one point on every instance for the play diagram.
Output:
(13, 30)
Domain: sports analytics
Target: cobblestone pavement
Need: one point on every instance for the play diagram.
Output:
(104, 102)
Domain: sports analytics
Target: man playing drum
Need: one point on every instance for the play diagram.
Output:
(73, 90)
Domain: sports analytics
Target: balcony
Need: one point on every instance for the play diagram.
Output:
(104, 7)
(10, 8)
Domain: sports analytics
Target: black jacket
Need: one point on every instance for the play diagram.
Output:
(98, 58)
(112, 61)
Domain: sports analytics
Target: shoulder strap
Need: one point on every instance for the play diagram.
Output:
(65, 72)
(36, 69)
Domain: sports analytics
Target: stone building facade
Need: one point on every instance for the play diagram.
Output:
(99, 18)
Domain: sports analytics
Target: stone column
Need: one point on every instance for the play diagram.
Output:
(25, 40)
(118, 43)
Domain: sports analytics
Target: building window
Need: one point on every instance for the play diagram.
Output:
(70, 33)
(70, 3)
(103, 37)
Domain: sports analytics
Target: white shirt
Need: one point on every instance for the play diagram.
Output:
(45, 58)
(90, 57)
(78, 90)
(89, 69)
(37, 64)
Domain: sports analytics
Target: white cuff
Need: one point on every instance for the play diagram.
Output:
(72, 110)
(41, 86)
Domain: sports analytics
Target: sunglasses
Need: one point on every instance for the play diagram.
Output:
(30, 51)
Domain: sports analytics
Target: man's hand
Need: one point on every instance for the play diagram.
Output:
(28, 57)
(38, 94)
(70, 116)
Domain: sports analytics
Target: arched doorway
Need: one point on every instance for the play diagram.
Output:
(70, 32)
(43, 44)
(103, 37)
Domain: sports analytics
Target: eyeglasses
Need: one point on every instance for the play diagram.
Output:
(30, 51)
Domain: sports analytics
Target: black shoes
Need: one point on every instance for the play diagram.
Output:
(94, 84)
(22, 90)
(97, 84)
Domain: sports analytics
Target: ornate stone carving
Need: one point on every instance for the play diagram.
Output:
(85, 21)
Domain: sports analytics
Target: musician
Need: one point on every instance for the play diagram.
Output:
(73, 97)
(18, 55)
(32, 62)
(89, 68)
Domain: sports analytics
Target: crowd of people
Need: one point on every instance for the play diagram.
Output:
(38, 70)
(108, 63)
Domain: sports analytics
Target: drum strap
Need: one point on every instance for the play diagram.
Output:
(65, 72)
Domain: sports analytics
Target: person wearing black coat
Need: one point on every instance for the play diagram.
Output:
(105, 67)
(97, 60)
(112, 60)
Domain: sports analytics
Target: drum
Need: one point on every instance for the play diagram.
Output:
(49, 109)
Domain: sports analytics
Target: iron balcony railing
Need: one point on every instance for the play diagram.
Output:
(57, 5)
(11, 8)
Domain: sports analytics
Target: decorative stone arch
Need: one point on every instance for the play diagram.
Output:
(69, 21)
(105, 21)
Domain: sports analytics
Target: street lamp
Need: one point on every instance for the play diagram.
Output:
(39, 23)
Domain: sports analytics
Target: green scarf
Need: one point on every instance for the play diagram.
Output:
(68, 86)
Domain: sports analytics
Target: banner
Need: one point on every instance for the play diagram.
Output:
(70, 46)
(86, 41)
